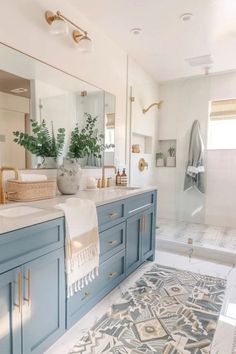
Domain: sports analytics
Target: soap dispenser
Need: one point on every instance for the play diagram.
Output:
(124, 179)
(118, 178)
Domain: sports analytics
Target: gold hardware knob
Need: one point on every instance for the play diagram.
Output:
(112, 274)
(113, 215)
(86, 295)
(113, 242)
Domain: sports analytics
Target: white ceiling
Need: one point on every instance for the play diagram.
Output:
(166, 41)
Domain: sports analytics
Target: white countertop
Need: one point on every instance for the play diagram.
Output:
(49, 211)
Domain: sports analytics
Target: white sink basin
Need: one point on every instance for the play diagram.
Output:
(117, 188)
(19, 211)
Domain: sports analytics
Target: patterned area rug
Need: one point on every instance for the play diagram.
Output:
(168, 311)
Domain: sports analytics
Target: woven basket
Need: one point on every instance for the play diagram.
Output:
(136, 148)
(29, 191)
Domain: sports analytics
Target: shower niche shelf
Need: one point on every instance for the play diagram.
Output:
(162, 147)
(144, 142)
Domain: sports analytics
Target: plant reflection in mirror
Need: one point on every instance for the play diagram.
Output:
(87, 141)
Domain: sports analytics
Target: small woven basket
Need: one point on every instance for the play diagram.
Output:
(29, 191)
(136, 148)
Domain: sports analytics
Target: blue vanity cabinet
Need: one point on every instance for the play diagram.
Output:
(148, 234)
(111, 273)
(126, 232)
(133, 243)
(32, 294)
(140, 232)
(43, 311)
(10, 312)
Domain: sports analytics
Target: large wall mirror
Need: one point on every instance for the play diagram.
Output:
(31, 90)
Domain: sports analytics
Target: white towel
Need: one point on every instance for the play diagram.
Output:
(82, 243)
(32, 177)
(193, 170)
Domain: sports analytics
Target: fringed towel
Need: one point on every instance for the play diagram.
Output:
(82, 243)
(195, 168)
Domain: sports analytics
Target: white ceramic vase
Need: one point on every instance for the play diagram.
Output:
(49, 162)
(68, 176)
(160, 162)
(170, 161)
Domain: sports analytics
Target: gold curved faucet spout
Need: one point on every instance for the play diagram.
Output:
(158, 104)
(3, 196)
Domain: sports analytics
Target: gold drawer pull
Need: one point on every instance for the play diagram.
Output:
(86, 295)
(112, 274)
(112, 242)
(113, 215)
(19, 290)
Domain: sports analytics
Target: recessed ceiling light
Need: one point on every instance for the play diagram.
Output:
(136, 31)
(19, 90)
(186, 17)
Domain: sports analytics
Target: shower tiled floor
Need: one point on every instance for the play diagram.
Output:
(197, 238)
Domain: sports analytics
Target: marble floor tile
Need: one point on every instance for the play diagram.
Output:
(202, 235)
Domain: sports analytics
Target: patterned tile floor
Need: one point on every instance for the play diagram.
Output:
(225, 331)
(168, 311)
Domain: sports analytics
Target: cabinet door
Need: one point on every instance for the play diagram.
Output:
(133, 239)
(43, 314)
(10, 312)
(147, 234)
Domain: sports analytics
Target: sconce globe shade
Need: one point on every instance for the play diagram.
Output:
(59, 27)
(85, 44)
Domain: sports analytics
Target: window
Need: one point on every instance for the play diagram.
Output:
(222, 125)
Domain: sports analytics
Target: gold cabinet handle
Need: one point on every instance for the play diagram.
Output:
(113, 215)
(145, 222)
(19, 290)
(141, 224)
(112, 242)
(29, 287)
(112, 274)
(86, 295)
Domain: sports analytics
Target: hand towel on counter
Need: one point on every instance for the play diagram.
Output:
(82, 243)
(195, 168)
(32, 177)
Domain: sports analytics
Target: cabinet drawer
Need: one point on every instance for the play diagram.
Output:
(112, 241)
(111, 273)
(21, 246)
(139, 203)
(112, 269)
(110, 215)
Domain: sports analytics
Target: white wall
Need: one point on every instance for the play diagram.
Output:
(105, 67)
(185, 101)
(145, 92)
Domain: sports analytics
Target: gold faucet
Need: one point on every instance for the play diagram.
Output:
(103, 183)
(3, 195)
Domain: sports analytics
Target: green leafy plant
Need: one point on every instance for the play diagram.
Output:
(159, 155)
(87, 141)
(171, 151)
(42, 143)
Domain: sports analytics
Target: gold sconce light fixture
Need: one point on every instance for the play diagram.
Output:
(59, 26)
(158, 104)
(142, 165)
